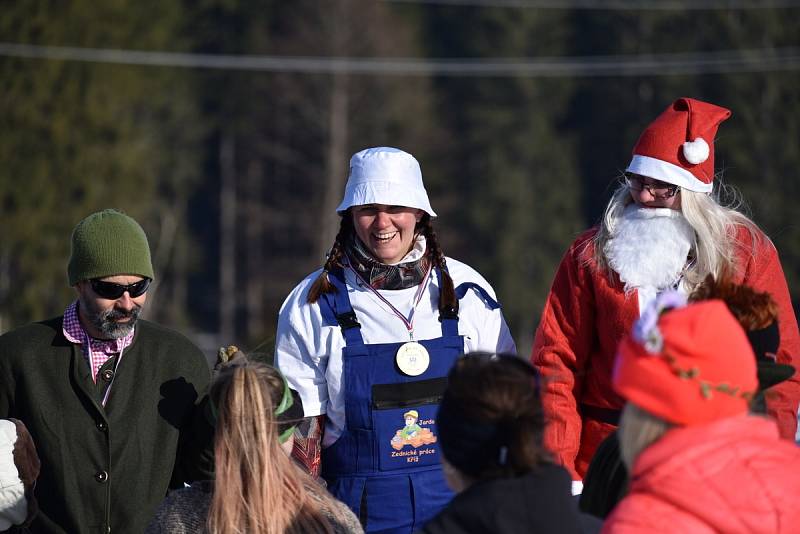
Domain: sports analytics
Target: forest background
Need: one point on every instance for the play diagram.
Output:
(225, 127)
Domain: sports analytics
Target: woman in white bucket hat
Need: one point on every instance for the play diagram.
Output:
(371, 337)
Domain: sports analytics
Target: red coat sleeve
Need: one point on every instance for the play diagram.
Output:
(763, 272)
(560, 350)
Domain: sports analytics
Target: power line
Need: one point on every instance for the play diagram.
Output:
(617, 5)
(732, 61)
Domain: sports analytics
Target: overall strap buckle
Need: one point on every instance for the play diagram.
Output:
(348, 320)
(449, 313)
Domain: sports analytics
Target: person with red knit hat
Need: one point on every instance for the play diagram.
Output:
(606, 480)
(698, 461)
(664, 228)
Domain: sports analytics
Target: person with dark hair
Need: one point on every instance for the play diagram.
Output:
(368, 340)
(490, 429)
(257, 487)
(666, 227)
(112, 401)
(757, 313)
(698, 461)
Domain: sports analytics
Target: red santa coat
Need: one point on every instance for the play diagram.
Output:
(585, 317)
(734, 476)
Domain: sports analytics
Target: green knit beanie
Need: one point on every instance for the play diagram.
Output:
(108, 243)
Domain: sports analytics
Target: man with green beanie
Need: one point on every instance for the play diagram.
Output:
(112, 401)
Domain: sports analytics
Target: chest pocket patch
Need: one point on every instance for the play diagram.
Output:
(404, 419)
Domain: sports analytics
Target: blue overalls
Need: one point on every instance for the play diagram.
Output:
(392, 482)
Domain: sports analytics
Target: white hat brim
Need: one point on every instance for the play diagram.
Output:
(387, 193)
(667, 172)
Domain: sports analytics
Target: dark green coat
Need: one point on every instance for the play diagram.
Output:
(107, 469)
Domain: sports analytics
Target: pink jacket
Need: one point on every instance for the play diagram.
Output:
(585, 317)
(733, 476)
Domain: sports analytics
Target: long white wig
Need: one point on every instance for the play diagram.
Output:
(715, 225)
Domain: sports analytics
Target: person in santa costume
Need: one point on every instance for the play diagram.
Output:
(699, 462)
(664, 228)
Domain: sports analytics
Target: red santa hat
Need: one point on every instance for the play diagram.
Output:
(690, 366)
(678, 147)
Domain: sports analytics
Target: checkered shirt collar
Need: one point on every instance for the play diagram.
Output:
(74, 332)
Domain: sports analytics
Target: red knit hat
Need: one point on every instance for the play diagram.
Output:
(678, 147)
(693, 366)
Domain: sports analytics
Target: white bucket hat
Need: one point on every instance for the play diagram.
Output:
(385, 175)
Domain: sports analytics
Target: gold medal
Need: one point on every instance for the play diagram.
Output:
(412, 358)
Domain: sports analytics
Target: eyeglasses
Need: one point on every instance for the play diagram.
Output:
(113, 291)
(658, 189)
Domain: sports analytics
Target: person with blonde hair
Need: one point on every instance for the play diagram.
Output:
(370, 337)
(257, 486)
(698, 461)
(606, 479)
(664, 228)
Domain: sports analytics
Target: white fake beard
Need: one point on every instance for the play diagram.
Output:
(649, 246)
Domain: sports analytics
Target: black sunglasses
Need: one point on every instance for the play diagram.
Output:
(113, 291)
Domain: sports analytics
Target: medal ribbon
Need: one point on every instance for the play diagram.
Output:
(408, 322)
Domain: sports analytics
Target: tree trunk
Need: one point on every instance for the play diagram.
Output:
(335, 162)
(227, 238)
(255, 261)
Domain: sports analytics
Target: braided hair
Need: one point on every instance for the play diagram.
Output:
(448, 302)
(322, 285)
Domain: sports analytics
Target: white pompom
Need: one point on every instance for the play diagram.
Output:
(696, 151)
